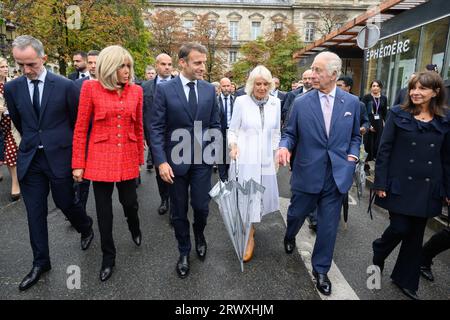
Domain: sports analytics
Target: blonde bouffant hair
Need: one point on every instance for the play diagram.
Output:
(109, 61)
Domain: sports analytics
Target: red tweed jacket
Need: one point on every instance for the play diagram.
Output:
(115, 144)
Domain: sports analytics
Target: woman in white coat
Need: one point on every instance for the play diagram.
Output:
(253, 137)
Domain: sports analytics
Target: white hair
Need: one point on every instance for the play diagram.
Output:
(259, 71)
(334, 63)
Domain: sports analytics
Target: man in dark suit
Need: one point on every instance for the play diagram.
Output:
(180, 105)
(163, 74)
(43, 107)
(324, 130)
(291, 95)
(278, 93)
(225, 102)
(80, 63)
(82, 188)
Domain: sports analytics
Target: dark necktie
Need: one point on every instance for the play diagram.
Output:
(36, 103)
(82, 75)
(226, 111)
(192, 99)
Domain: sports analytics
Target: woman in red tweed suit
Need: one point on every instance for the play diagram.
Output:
(115, 146)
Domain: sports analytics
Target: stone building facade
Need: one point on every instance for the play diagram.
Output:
(248, 19)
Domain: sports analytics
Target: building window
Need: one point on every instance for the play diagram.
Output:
(188, 24)
(256, 29)
(309, 32)
(232, 57)
(433, 43)
(278, 26)
(234, 31)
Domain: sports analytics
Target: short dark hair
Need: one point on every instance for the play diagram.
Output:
(93, 53)
(83, 54)
(432, 67)
(430, 80)
(187, 48)
(347, 80)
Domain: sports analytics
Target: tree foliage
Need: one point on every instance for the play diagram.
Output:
(275, 52)
(102, 23)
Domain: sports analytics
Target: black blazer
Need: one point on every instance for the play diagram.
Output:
(79, 82)
(73, 76)
(222, 111)
(54, 126)
(149, 92)
(413, 164)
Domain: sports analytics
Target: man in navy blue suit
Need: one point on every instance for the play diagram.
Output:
(43, 107)
(323, 129)
(180, 105)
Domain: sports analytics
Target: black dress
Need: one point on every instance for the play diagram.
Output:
(376, 111)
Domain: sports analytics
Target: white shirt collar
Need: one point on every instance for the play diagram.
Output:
(185, 80)
(41, 76)
(332, 94)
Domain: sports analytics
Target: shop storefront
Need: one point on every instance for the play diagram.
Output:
(408, 43)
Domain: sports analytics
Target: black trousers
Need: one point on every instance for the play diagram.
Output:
(103, 203)
(437, 244)
(35, 187)
(163, 187)
(409, 231)
(224, 166)
(82, 192)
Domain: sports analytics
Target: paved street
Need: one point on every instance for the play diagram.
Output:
(148, 272)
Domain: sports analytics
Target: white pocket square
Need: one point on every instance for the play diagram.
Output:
(347, 114)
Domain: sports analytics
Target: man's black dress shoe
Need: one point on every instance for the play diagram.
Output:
(183, 266)
(86, 239)
(149, 167)
(32, 277)
(426, 273)
(200, 246)
(407, 292)
(289, 245)
(163, 207)
(323, 284)
(137, 238)
(106, 272)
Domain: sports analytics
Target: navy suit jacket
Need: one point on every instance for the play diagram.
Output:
(171, 112)
(79, 82)
(54, 127)
(149, 88)
(306, 135)
(222, 111)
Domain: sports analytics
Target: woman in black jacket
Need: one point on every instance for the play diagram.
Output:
(376, 105)
(412, 175)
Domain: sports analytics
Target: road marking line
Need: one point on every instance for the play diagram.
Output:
(341, 289)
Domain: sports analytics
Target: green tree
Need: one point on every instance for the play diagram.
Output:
(275, 51)
(101, 23)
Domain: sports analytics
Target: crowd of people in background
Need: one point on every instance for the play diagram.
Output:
(57, 133)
